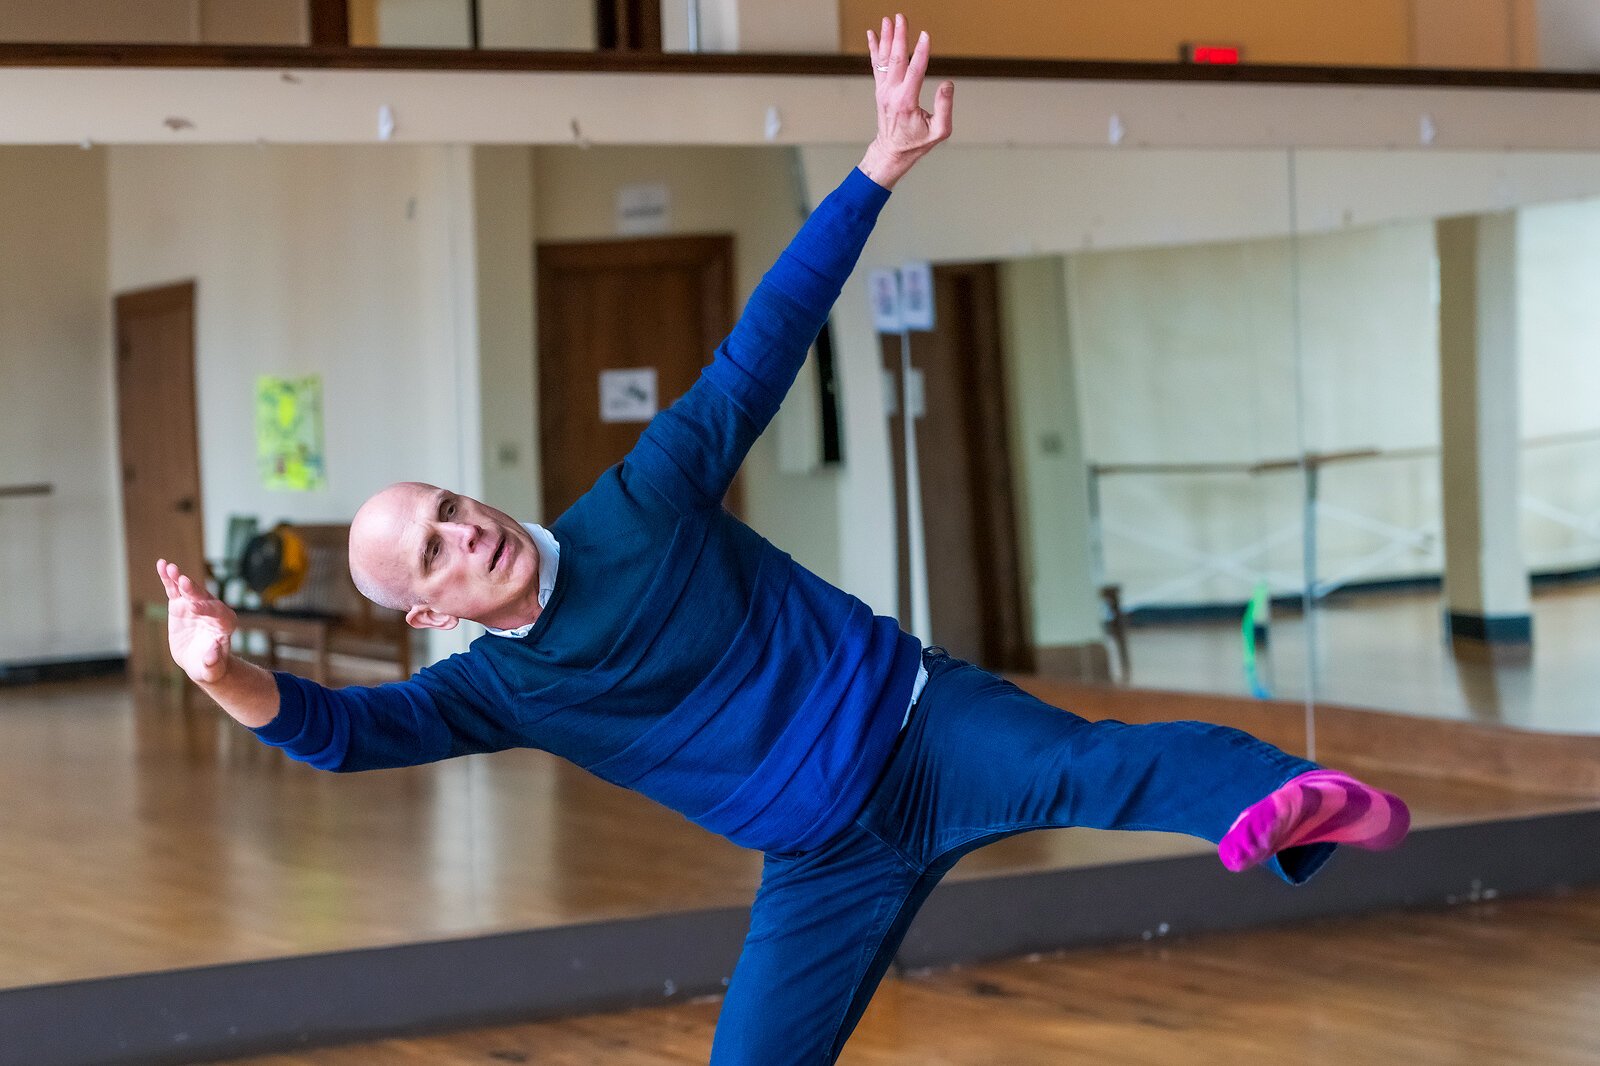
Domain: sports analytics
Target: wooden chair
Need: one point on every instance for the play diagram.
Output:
(327, 616)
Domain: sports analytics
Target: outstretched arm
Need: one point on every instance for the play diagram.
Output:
(358, 728)
(690, 452)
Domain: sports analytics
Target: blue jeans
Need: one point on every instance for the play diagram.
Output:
(980, 760)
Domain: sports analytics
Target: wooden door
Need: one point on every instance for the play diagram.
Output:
(159, 447)
(628, 25)
(662, 304)
(975, 596)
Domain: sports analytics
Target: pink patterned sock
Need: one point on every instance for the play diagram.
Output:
(1322, 805)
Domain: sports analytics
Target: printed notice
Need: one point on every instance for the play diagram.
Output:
(628, 395)
(643, 209)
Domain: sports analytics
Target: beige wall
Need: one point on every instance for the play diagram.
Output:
(1481, 33)
(750, 193)
(155, 21)
(62, 563)
(355, 264)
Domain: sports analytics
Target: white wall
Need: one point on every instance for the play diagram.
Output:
(1559, 327)
(503, 199)
(751, 193)
(1049, 468)
(355, 264)
(1206, 317)
(62, 564)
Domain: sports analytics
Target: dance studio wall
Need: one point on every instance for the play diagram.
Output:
(62, 563)
(991, 204)
(352, 263)
(752, 194)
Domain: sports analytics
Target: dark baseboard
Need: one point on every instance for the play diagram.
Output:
(1228, 610)
(198, 1015)
(41, 670)
(1490, 629)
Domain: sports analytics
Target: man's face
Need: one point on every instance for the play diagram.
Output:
(449, 555)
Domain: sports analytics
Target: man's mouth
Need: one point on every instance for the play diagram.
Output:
(499, 550)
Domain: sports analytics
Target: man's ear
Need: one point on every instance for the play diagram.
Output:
(422, 616)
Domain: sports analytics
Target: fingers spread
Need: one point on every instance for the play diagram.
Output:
(897, 52)
(166, 581)
(918, 66)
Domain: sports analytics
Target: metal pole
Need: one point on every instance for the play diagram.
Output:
(916, 545)
(694, 24)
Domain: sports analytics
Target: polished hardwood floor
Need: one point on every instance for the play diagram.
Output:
(141, 835)
(1513, 983)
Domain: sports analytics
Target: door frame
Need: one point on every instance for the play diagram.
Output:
(177, 296)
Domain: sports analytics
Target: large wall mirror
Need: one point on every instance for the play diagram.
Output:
(1447, 304)
(1195, 432)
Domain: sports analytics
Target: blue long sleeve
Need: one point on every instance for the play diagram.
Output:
(691, 452)
(379, 727)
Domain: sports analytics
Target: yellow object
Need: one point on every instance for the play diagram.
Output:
(295, 560)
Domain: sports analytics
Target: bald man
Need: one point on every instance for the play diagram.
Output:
(654, 639)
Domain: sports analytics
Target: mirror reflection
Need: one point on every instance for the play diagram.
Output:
(1450, 395)
(295, 313)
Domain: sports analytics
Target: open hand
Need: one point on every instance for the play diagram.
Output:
(199, 626)
(906, 132)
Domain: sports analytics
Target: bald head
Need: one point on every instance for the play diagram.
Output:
(440, 557)
(375, 564)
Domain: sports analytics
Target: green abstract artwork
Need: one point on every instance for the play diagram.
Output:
(289, 433)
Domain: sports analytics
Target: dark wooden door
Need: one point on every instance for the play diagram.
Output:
(662, 304)
(628, 25)
(158, 444)
(975, 595)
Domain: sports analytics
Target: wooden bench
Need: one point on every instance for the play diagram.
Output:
(327, 616)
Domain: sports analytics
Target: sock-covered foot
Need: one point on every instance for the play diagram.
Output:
(1323, 805)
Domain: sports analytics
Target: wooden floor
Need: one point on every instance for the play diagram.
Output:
(1505, 984)
(139, 836)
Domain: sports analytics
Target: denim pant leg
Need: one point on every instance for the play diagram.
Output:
(987, 760)
(823, 932)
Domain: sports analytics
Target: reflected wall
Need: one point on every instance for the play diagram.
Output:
(1198, 348)
(1448, 315)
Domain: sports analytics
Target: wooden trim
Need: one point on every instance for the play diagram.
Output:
(211, 56)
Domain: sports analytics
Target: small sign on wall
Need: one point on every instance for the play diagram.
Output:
(643, 209)
(902, 298)
(628, 395)
(885, 287)
(916, 296)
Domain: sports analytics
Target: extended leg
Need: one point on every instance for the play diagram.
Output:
(984, 759)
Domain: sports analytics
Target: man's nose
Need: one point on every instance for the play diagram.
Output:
(467, 534)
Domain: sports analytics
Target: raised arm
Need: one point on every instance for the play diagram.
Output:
(691, 451)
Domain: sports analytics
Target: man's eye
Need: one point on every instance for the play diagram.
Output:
(450, 509)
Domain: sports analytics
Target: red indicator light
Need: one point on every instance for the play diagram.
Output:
(1217, 54)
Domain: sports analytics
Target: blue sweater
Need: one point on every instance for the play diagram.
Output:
(681, 655)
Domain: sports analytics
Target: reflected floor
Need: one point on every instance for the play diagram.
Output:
(143, 836)
(1387, 651)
